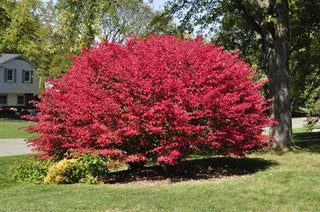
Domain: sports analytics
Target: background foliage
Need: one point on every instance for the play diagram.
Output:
(224, 24)
(47, 32)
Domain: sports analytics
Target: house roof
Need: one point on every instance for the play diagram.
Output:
(7, 57)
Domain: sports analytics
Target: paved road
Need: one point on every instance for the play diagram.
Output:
(19, 146)
(14, 147)
(299, 122)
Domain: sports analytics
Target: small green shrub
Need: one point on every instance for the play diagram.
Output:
(94, 165)
(30, 170)
(65, 171)
(83, 169)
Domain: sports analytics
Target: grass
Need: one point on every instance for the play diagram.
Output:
(300, 130)
(304, 129)
(5, 164)
(287, 182)
(12, 129)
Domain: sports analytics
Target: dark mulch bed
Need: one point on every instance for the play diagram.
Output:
(197, 169)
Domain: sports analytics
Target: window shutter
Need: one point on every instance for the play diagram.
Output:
(5, 74)
(15, 75)
(22, 80)
(31, 77)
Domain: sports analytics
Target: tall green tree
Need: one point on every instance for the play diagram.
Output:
(85, 21)
(235, 33)
(21, 31)
(29, 28)
(125, 18)
(269, 20)
(48, 32)
(4, 16)
(305, 54)
(75, 24)
(79, 20)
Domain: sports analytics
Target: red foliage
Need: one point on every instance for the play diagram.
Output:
(161, 97)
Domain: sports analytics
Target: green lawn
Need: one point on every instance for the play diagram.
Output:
(304, 129)
(12, 129)
(300, 130)
(288, 182)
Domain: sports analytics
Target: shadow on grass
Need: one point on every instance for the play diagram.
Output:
(196, 169)
(309, 141)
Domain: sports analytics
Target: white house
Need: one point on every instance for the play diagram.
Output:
(18, 81)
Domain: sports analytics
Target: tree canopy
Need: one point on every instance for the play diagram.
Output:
(48, 32)
(251, 26)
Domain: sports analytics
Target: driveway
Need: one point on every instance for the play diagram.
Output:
(299, 122)
(14, 147)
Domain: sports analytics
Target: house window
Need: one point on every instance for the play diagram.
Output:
(9, 75)
(3, 100)
(27, 76)
(20, 100)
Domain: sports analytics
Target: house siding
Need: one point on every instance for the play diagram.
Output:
(12, 99)
(18, 86)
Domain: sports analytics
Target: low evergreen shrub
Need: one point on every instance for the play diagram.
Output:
(80, 169)
(30, 170)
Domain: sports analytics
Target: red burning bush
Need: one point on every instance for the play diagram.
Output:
(161, 97)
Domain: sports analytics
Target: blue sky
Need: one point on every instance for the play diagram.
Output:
(156, 4)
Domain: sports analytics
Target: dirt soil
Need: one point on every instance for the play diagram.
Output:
(190, 170)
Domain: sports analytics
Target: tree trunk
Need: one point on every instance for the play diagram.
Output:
(279, 77)
(270, 19)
